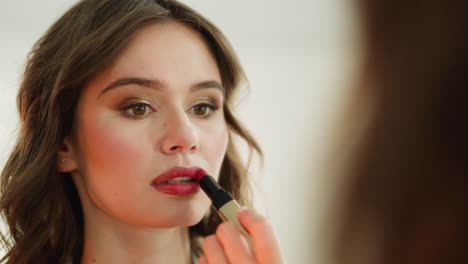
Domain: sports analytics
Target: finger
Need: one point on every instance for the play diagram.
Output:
(266, 245)
(234, 244)
(213, 250)
(202, 260)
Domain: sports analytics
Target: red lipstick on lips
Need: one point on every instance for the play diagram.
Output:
(179, 181)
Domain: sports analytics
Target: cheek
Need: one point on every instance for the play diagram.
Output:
(216, 145)
(109, 148)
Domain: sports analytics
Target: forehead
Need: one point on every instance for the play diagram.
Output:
(171, 52)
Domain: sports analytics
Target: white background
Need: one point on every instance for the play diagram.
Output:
(300, 57)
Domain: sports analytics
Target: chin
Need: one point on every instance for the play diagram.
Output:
(181, 217)
(190, 218)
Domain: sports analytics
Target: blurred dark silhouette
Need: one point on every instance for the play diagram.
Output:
(405, 197)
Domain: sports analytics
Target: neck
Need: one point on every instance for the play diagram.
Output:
(120, 243)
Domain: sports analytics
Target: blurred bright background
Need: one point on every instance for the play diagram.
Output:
(300, 57)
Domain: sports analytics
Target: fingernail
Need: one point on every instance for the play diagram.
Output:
(227, 227)
(254, 214)
(243, 208)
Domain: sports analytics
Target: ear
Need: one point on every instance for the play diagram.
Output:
(67, 156)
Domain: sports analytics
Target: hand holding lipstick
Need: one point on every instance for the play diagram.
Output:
(228, 245)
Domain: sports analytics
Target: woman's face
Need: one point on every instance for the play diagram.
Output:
(159, 106)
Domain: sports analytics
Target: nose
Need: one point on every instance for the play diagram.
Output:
(181, 136)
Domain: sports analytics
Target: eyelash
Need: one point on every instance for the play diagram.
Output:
(126, 109)
(212, 109)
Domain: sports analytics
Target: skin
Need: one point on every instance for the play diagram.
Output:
(229, 246)
(126, 134)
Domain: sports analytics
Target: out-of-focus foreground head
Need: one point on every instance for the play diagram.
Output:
(405, 196)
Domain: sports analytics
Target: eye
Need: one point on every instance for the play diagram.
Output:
(138, 110)
(203, 110)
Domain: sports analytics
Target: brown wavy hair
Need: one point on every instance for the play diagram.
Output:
(40, 206)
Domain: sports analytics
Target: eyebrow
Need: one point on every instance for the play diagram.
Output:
(159, 85)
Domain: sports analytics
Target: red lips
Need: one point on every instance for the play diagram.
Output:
(170, 182)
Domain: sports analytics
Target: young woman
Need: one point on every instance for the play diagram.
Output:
(123, 104)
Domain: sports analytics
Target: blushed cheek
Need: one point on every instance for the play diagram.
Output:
(218, 145)
(111, 148)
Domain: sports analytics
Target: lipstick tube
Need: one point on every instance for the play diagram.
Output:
(223, 203)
